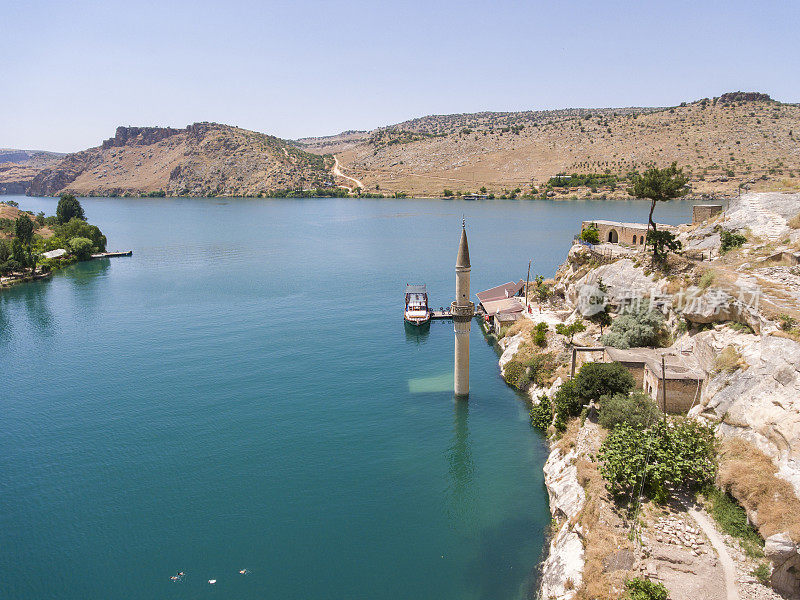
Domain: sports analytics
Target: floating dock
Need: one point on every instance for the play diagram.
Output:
(112, 254)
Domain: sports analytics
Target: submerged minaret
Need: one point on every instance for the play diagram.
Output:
(462, 311)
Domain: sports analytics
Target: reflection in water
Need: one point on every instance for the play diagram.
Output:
(417, 335)
(85, 272)
(461, 506)
(33, 296)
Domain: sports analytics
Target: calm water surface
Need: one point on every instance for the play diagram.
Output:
(242, 394)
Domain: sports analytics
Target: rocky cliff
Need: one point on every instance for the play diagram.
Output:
(736, 314)
(203, 159)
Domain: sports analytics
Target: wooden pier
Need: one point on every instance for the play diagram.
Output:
(445, 313)
(112, 254)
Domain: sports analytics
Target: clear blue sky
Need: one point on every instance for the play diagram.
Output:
(72, 71)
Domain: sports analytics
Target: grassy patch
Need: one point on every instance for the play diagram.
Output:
(732, 519)
(749, 476)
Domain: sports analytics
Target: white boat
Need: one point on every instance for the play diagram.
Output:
(417, 312)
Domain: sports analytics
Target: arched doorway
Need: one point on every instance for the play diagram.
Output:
(613, 236)
(641, 239)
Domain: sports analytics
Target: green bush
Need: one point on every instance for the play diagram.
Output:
(730, 240)
(82, 247)
(567, 403)
(541, 367)
(591, 235)
(636, 409)
(541, 414)
(78, 228)
(644, 589)
(637, 326)
(516, 374)
(678, 453)
(762, 573)
(570, 330)
(596, 379)
(539, 334)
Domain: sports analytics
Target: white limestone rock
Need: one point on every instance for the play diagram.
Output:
(562, 571)
(762, 402)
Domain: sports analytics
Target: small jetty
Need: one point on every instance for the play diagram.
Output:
(112, 254)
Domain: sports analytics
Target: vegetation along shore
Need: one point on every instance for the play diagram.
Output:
(32, 246)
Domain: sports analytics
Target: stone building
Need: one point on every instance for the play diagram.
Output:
(683, 378)
(615, 232)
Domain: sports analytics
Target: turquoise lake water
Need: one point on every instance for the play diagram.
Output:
(241, 393)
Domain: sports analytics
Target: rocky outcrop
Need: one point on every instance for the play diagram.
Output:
(139, 136)
(760, 403)
(785, 557)
(562, 570)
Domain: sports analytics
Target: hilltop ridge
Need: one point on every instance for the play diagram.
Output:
(736, 140)
(202, 159)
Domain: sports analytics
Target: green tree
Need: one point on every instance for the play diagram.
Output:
(636, 409)
(591, 235)
(596, 379)
(539, 334)
(23, 230)
(658, 185)
(662, 242)
(82, 247)
(674, 454)
(644, 589)
(483, 189)
(447, 193)
(570, 330)
(69, 208)
(541, 413)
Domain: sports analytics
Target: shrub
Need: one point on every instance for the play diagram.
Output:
(539, 334)
(567, 403)
(730, 240)
(644, 589)
(596, 379)
(762, 573)
(78, 228)
(590, 235)
(637, 409)
(447, 193)
(637, 326)
(671, 454)
(516, 374)
(82, 247)
(541, 367)
(541, 413)
(663, 242)
(706, 279)
(570, 330)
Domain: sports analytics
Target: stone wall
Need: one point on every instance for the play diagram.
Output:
(703, 212)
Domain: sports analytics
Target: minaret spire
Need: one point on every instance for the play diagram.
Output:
(462, 311)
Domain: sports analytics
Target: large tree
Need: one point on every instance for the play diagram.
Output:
(659, 185)
(69, 208)
(23, 230)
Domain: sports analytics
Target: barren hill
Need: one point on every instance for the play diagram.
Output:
(202, 159)
(738, 138)
(19, 167)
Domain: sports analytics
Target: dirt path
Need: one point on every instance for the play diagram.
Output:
(338, 173)
(717, 542)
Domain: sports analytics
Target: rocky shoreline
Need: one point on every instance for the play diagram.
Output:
(754, 401)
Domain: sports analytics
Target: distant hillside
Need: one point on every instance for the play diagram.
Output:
(19, 167)
(203, 159)
(738, 138)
